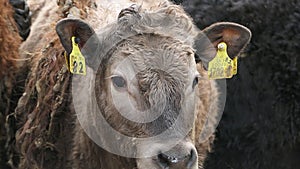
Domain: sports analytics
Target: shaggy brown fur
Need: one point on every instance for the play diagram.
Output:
(45, 112)
(9, 44)
(261, 124)
(45, 126)
(9, 39)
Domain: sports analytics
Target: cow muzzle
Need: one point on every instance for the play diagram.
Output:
(182, 156)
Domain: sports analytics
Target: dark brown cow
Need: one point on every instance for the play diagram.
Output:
(13, 16)
(9, 43)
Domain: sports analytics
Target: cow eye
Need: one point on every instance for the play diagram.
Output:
(195, 82)
(119, 82)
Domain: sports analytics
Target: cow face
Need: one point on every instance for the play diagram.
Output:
(152, 82)
(146, 83)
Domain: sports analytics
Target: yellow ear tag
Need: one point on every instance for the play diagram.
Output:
(77, 61)
(222, 66)
(235, 65)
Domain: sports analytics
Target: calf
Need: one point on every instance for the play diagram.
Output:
(145, 96)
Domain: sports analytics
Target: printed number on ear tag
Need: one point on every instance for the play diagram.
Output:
(222, 66)
(77, 61)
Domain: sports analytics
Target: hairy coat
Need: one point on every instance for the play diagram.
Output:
(9, 57)
(9, 40)
(261, 126)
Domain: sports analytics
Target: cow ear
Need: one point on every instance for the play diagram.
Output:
(85, 37)
(234, 35)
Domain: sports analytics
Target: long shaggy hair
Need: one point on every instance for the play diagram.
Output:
(10, 42)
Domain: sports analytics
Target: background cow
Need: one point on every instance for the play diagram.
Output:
(14, 21)
(260, 125)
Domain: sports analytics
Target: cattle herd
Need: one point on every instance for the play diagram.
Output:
(124, 84)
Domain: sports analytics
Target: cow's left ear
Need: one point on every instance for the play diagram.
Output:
(234, 35)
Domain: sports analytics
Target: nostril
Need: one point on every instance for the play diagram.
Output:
(182, 157)
(192, 159)
(166, 160)
(163, 160)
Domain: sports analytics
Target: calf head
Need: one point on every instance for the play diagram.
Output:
(144, 77)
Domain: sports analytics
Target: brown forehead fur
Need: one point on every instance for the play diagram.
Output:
(151, 52)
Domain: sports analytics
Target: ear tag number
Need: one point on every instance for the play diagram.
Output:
(222, 66)
(77, 61)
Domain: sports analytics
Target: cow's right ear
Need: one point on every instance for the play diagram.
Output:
(85, 37)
